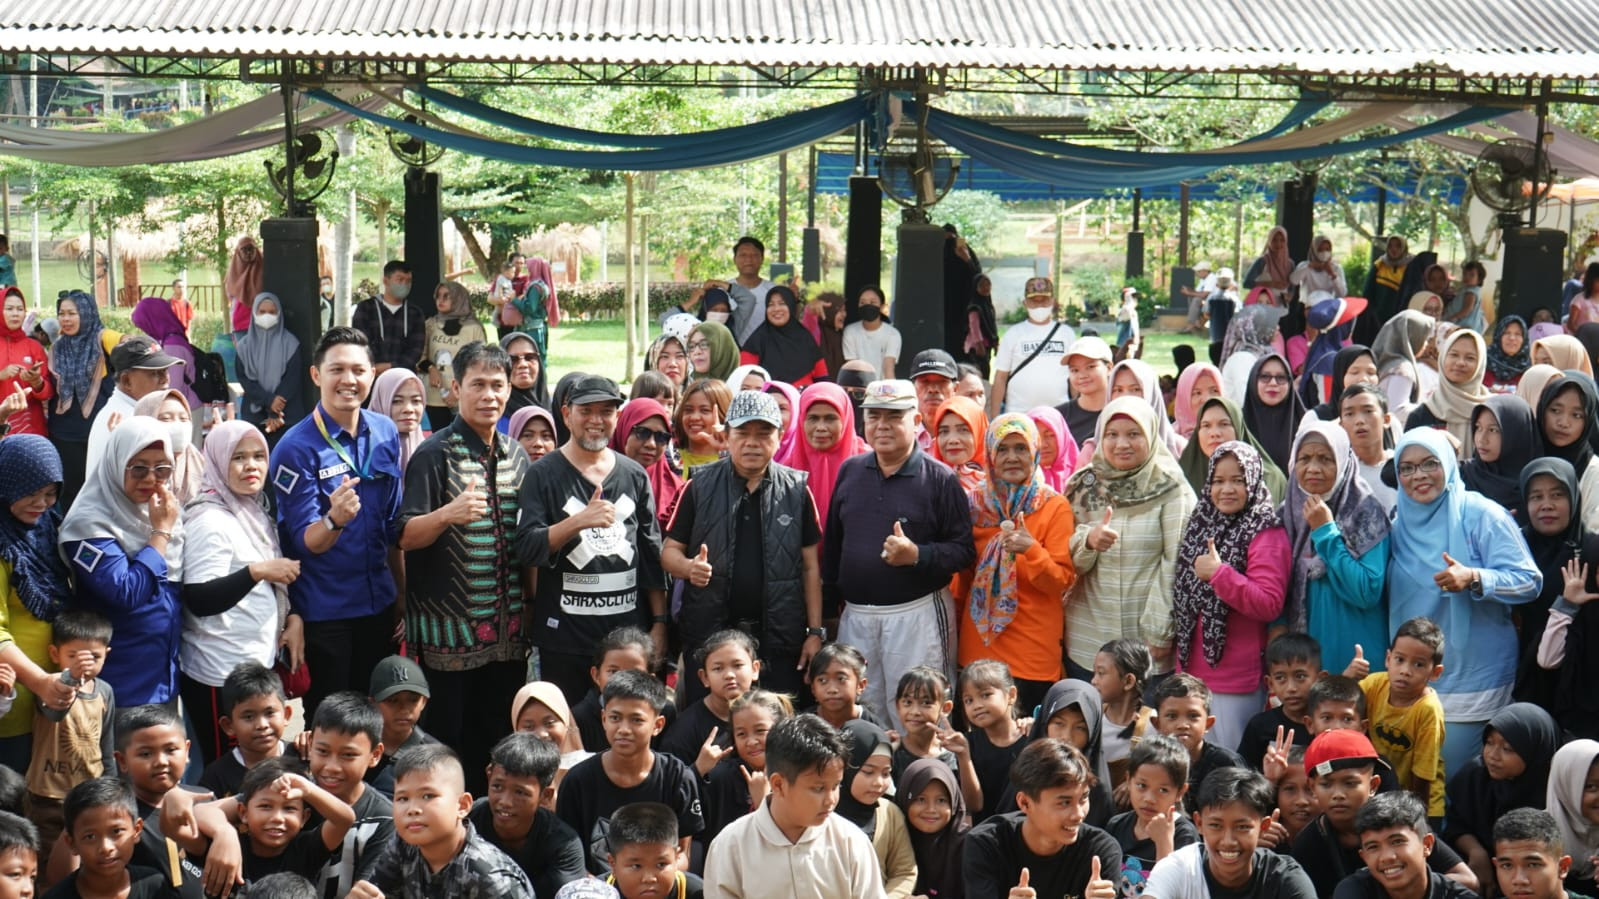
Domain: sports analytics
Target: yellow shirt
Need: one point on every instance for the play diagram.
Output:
(32, 636)
(1412, 738)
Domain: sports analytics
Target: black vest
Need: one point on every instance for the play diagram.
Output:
(784, 502)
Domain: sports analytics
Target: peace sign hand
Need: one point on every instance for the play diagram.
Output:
(1275, 764)
(1576, 575)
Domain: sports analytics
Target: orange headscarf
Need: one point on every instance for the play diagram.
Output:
(974, 473)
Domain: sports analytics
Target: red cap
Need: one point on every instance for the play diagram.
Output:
(1335, 750)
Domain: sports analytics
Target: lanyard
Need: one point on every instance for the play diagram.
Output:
(337, 447)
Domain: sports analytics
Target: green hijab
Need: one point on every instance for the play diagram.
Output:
(724, 350)
(1196, 465)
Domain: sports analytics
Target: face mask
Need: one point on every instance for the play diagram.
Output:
(1323, 255)
(266, 321)
(871, 313)
(180, 432)
(399, 291)
(718, 317)
(1040, 314)
(327, 292)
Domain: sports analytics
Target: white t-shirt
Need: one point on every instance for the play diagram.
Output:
(872, 346)
(1044, 382)
(216, 545)
(121, 404)
(1372, 475)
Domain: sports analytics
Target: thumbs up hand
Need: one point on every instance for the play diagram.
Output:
(1098, 887)
(468, 506)
(1022, 891)
(898, 550)
(1206, 565)
(1358, 666)
(1018, 539)
(599, 513)
(1455, 577)
(699, 567)
(1101, 537)
(1273, 833)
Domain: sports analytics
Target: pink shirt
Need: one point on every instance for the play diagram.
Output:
(1255, 598)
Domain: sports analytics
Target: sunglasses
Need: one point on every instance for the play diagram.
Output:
(650, 435)
(140, 472)
(524, 357)
(1271, 379)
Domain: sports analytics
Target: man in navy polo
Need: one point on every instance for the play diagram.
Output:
(338, 479)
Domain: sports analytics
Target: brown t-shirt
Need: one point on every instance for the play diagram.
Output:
(75, 748)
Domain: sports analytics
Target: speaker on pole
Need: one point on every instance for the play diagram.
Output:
(291, 245)
(919, 290)
(424, 245)
(1533, 273)
(1296, 211)
(863, 264)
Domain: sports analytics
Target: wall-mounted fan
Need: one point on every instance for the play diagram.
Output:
(1507, 175)
(918, 175)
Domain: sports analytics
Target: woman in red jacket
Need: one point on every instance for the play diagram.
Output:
(23, 367)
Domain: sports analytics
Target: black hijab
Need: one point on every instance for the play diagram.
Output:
(1345, 357)
(789, 353)
(1478, 799)
(1506, 367)
(538, 394)
(938, 855)
(864, 739)
(1588, 335)
(1550, 554)
(1520, 442)
(563, 389)
(1580, 452)
(1274, 426)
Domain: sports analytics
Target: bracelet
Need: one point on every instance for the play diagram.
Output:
(161, 533)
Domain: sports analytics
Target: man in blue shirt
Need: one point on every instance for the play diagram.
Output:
(337, 476)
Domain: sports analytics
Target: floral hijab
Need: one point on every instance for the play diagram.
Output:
(1099, 484)
(1194, 601)
(996, 502)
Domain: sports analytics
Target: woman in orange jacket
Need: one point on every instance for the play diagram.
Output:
(1011, 601)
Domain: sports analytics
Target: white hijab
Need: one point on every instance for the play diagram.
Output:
(103, 510)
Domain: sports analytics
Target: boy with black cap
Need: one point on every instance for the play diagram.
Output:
(1342, 766)
(588, 519)
(401, 692)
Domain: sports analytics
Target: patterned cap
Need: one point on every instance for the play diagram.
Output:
(894, 394)
(1039, 287)
(678, 325)
(753, 405)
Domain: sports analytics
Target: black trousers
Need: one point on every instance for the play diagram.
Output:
(342, 654)
(470, 711)
(203, 703)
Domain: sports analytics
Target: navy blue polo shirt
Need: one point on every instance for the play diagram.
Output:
(352, 579)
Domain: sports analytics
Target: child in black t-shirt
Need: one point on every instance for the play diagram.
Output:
(988, 701)
(1046, 847)
(344, 743)
(923, 704)
(1293, 665)
(628, 772)
(838, 678)
(643, 852)
(728, 666)
(98, 814)
(1394, 844)
(513, 815)
(1182, 712)
(255, 712)
(1155, 827)
(623, 649)
(737, 784)
(1235, 805)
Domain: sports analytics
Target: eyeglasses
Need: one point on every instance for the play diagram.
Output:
(140, 472)
(650, 435)
(524, 357)
(698, 345)
(1265, 378)
(1409, 469)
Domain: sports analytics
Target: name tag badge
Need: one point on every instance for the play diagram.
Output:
(333, 471)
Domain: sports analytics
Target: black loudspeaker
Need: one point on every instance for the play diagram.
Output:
(291, 245)
(424, 244)
(1181, 277)
(919, 291)
(1135, 256)
(1534, 272)
(1296, 211)
(811, 255)
(863, 260)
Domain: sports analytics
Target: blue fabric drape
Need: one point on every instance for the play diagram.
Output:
(674, 152)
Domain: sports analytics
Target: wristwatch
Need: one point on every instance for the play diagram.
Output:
(327, 522)
(819, 633)
(661, 619)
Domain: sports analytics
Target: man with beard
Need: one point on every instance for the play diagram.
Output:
(588, 520)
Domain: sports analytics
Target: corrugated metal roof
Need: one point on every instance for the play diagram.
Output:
(1478, 38)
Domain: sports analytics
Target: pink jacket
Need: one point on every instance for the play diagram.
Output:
(1255, 598)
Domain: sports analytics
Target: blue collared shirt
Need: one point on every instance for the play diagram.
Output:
(352, 578)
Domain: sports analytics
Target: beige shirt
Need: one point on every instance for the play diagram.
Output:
(76, 748)
(751, 859)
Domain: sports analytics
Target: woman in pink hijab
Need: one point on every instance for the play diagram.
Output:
(643, 432)
(1055, 465)
(1199, 382)
(788, 397)
(404, 386)
(243, 282)
(822, 441)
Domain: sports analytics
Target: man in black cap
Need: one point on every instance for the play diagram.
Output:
(934, 373)
(588, 520)
(141, 368)
(744, 540)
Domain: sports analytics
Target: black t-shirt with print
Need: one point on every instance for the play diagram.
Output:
(588, 798)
